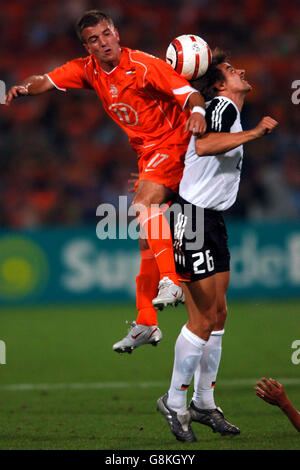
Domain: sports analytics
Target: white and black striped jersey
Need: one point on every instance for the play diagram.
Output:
(212, 182)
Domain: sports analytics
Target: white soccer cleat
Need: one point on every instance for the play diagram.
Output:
(168, 294)
(137, 336)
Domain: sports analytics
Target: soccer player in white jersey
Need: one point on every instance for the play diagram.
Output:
(210, 185)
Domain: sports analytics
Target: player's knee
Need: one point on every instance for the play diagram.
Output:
(203, 324)
(143, 246)
(211, 321)
(209, 317)
(204, 329)
(222, 312)
(137, 208)
(140, 206)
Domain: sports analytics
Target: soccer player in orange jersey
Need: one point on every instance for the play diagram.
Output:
(158, 109)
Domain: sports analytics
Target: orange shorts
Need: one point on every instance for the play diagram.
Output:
(163, 165)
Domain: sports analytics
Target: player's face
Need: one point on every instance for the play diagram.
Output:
(102, 41)
(235, 80)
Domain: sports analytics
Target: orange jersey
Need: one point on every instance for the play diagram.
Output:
(143, 95)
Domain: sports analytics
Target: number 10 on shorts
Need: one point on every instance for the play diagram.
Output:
(203, 257)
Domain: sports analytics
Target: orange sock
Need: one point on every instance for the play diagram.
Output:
(154, 226)
(146, 289)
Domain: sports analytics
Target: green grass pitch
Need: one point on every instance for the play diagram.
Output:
(63, 387)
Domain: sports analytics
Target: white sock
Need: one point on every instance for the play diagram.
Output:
(188, 352)
(206, 373)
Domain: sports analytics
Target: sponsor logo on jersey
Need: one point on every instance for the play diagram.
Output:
(125, 113)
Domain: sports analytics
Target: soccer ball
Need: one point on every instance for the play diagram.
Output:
(189, 55)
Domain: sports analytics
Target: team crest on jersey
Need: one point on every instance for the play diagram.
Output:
(113, 91)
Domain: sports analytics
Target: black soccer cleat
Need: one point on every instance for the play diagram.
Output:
(179, 423)
(215, 419)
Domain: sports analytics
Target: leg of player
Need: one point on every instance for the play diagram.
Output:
(144, 330)
(157, 270)
(203, 408)
(205, 381)
(155, 229)
(201, 305)
(146, 286)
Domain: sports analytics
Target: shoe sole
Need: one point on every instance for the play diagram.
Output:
(161, 305)
(129, 349)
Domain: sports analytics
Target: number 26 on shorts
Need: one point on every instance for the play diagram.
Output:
(202, 259)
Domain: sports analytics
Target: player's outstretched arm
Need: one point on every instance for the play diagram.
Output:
(33, 85)
(273, 392)
(214, 143)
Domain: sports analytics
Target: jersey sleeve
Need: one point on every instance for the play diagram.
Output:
(70, 75)
(220, 115)
(161, 77)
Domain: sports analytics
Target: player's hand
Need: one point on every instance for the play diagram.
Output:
(15, 92)
(271, 391)
(196, 124)
(132, 181)
(265, 126)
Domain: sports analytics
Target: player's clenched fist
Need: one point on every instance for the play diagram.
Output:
(15, 92)
(265, 126)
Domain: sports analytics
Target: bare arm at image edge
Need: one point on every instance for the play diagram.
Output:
(33, 85)
(273, 392)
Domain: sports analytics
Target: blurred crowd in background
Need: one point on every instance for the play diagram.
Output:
(61, 156)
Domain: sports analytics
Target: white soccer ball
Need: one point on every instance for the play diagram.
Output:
(189, 55)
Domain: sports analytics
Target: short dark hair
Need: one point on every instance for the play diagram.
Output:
(91, 18)
(207, 83)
